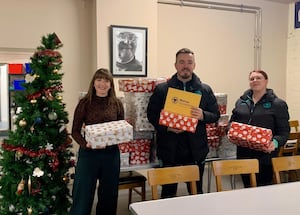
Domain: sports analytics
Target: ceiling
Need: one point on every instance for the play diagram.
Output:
(283, 1)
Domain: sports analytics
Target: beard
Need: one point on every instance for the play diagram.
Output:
(186, 74)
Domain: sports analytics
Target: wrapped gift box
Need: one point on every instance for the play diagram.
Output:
(140, 153)
(253, 137)
(124, 159)
(222, 102)
(135, 104)
(143, 135)
(211, 129)
(223, 124)
(108, 133)
(137, 85)
(178, 121)
(213, 141)
(226, 149)
(125, 147)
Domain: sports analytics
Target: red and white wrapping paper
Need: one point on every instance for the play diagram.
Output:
(211, 129)
(222, 102)
(108, 133)
(253, 137)
(178, 121)
(223, 124)
(213, 141)
(137, 85)
(140, 151)
(125, 147)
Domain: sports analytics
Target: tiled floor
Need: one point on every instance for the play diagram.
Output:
(123, 194)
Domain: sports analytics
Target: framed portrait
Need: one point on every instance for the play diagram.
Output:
(297, 14)
(128, 51)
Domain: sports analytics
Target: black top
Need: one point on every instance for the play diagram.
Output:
(197, 142)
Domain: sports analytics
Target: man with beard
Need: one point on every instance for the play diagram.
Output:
(177, 147)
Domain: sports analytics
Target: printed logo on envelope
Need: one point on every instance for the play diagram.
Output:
(181, 102)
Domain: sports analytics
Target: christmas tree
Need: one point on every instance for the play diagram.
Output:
(36, 156)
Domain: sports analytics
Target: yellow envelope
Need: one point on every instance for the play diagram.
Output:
(181, 102)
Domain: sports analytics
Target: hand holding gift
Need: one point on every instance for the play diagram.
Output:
(197, 113)
(253, 137)
(181, 111)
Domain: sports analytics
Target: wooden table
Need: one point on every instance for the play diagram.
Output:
(268, 200)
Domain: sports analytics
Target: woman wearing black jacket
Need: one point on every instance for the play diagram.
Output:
(259, 106)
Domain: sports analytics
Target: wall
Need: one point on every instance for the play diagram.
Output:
(23, 23)
(293, 65)
(223, 41)
(83, 27)
(126, 13)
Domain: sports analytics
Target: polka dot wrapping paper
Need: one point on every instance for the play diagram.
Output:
(253, 137)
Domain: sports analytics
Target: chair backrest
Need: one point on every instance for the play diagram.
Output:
(291, 146)
(235, 167)
(171, 175)
(294, 124)
(285, 163)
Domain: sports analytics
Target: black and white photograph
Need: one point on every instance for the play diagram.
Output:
(128, 51)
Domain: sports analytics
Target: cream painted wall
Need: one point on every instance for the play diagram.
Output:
(126, 13)
(293, 68)
(223, 42)
(83, 26)
(23, 23)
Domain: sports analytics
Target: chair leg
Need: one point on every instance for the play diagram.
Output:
(144, 192)
(129, 196)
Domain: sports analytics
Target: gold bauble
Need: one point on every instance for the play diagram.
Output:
(33, 101)
(18, 155)
(22, 123)
(66, 179)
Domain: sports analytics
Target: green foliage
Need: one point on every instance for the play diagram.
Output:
(36, 156)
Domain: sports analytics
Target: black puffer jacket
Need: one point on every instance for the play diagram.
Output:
(198, 141)
(269, 112)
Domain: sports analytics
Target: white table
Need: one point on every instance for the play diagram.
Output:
(281, 199)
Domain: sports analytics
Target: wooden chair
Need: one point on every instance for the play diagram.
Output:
(284, 164)
(291, 146)
(171, 175)
(235, 167)
(294, 124)
(133, 180)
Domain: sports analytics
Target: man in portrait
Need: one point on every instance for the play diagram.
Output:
(126, 52)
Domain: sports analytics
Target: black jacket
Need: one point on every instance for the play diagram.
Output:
(269, 112)
(166, 141)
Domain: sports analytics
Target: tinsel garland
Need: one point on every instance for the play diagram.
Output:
(39, 93)
(54, 164)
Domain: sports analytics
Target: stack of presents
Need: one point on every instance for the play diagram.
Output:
(141, 149)
(219, 145)
(135, 135)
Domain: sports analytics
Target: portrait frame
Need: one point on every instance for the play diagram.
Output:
(128, 50)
